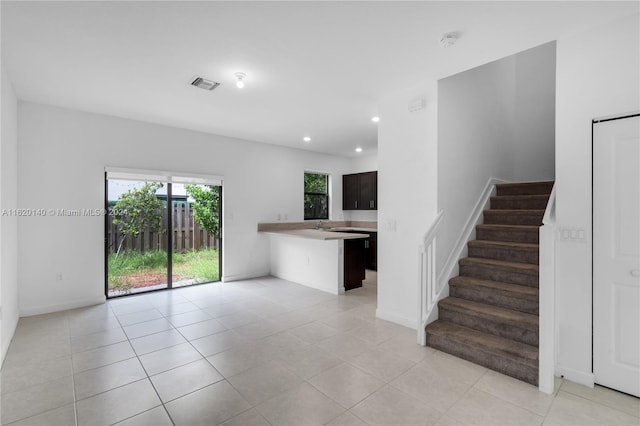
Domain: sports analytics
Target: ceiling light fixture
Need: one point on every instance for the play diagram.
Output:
(449, 39)
(306, 139)
(240, 79)
(358, 149)
(375, 119)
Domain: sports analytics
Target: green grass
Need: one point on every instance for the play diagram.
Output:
(130, 261)
(201, 265)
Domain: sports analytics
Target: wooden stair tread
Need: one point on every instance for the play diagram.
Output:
(515, 289)
(521, 197)
(515, 266)
(514, 211)
(519, 202)
(521, 184)
(494, 313)
(504, 244)
(510, 227)
(489, 343)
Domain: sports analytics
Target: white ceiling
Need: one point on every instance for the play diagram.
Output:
(313, 68)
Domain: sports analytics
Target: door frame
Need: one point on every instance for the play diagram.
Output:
(169, 241)
(593, 259)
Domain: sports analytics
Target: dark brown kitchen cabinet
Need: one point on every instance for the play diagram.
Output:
(350, 192)
(360, 191)
(370, 252)
(355, 259)
(371, 248)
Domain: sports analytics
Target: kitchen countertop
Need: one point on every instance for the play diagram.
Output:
(351, 228)
(318, 234)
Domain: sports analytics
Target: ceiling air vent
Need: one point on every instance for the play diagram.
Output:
(204, 83)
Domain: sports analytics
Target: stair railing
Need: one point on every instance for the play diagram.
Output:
(432, 289)
(547, 289)
(428, 277)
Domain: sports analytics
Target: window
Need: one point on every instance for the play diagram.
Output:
(316, 196)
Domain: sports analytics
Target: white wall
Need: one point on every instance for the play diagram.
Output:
(597, 76)
(62, 155)
(364, 163)
(407, 168)
(535, 97)
(495, 120)
(8, 223)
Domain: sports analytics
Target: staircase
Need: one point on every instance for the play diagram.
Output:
(491, 315)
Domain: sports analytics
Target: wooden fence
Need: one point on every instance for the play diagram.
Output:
(187, 234)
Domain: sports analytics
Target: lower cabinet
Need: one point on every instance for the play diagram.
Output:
(354, 263)
(371, 247)
(359, 255)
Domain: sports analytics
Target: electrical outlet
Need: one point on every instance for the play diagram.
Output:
(59, 276)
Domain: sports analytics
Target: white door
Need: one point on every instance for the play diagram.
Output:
(616, 254)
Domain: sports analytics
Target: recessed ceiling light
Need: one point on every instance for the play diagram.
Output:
(358, 149)
(306, 139)
(375, 119)
(240, 76)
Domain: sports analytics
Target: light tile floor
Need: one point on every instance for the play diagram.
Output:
(264, 352)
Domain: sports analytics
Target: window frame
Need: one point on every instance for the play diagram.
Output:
(327, 195)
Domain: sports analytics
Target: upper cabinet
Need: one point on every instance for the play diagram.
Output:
(360, 191)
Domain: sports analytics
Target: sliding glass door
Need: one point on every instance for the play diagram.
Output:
(161, 235)
(137, 237)
(196, 234)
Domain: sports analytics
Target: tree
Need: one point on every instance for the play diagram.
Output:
(205, 207)
(316, 199)
(315, 183)
(137, 210)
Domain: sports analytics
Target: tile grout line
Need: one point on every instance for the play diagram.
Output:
(154, 389)
(548, 409)
(73, 377)
(194, 348)
(591, 401)
(148, 378)
(471, 386)
(553, 400)
(126, 384)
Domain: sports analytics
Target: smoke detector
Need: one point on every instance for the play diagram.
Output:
(205, 84)
(449, 39)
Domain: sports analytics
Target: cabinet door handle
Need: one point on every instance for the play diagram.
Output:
(370, 204)
(356, 204)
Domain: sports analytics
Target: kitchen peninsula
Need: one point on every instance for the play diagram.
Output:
(330, 258)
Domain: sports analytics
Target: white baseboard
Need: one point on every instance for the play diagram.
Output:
(396, 319)
(247, 276)
(47, 309)
(580, 377)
